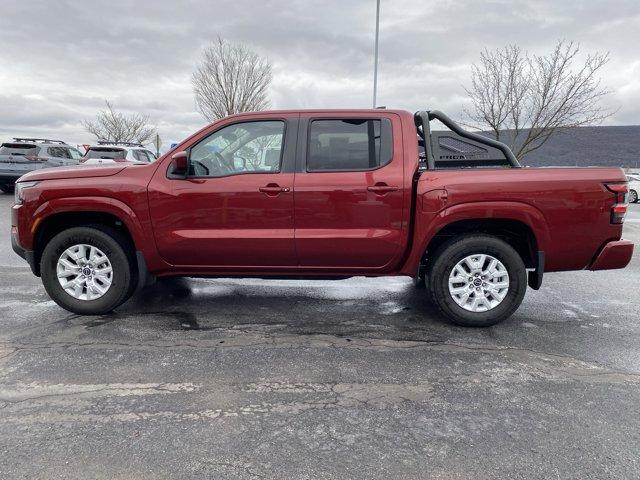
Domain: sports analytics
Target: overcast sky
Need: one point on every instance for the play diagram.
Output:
(60, 59)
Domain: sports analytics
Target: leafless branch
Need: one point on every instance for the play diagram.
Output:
(535, 97)
(115, 126)
(230, 79)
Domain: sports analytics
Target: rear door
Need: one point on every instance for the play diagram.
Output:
(61, 155)
(349, 192)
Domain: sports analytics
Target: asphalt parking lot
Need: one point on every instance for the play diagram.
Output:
(244, 379)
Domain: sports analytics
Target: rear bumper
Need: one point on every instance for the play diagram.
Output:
(614, 255)
(9, 178)
(9, 174)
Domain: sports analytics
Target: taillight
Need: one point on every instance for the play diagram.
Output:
(619, 208)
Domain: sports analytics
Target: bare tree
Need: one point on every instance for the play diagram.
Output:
(535, 97)
(114, 126)
(230, 79)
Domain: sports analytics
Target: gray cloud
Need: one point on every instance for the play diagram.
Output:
(61, 59)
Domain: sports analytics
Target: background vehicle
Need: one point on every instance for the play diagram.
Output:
(111, 152)
(634, 188)
(27, 154)
(330, 193)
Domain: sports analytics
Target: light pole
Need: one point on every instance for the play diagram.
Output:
(375, 61)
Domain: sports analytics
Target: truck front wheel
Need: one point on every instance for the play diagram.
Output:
(476, 280)
(87, 271)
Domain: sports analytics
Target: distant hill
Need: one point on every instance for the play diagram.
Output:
(590, 146)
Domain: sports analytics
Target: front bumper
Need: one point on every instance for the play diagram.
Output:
(613, 255)
(28, 255)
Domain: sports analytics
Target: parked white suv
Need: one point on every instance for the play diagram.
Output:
(634, 187)
(110, 152)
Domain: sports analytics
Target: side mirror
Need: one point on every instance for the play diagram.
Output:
(180, 164)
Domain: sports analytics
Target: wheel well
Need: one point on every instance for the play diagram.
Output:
(58, 222)
(517, 234)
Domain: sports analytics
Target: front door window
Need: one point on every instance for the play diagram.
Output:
(241, 148)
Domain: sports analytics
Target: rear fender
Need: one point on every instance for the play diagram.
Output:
(429, 224)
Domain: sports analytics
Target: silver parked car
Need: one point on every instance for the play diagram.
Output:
(24, 155)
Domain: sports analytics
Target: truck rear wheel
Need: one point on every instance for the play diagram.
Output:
(477, 280)
(87, 270)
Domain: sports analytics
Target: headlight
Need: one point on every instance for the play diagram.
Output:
(19, 188)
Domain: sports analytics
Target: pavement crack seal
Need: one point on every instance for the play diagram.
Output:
(11, 351)
(374, 395)
(553, 364)
(246, 467)
(33, 392)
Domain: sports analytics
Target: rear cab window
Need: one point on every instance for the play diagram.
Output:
(350, 144)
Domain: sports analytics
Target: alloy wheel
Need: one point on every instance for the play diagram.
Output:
(479, 283)
(84, 272)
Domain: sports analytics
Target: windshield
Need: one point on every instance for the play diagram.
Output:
(106, 153)
(18, 149)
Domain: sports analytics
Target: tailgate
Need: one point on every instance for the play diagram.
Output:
(19, 164)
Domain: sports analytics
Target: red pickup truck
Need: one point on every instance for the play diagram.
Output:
(326, 193)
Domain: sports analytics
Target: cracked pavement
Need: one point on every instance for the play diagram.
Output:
(246, 379)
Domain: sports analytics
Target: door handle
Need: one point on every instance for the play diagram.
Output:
(273, 189)
(382, 188)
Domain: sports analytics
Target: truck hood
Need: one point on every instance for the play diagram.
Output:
(78, 171)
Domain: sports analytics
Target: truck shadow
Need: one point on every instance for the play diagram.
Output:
(358, 307)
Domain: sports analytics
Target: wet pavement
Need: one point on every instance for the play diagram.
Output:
(243, 379)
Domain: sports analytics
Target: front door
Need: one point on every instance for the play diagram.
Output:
(349, 208)
(235, 209)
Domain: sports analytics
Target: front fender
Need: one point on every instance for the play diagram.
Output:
(92, 204)
(428, 224)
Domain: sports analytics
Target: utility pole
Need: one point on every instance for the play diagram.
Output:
(375, 64)
(158, 143)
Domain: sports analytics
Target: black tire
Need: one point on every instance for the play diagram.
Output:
(129, 249)
(452, 252)
(114, 246)
(633, 196)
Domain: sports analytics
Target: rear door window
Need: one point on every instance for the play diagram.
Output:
(139, 155)
(143, 156)
(349, 144)
(59, 152)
